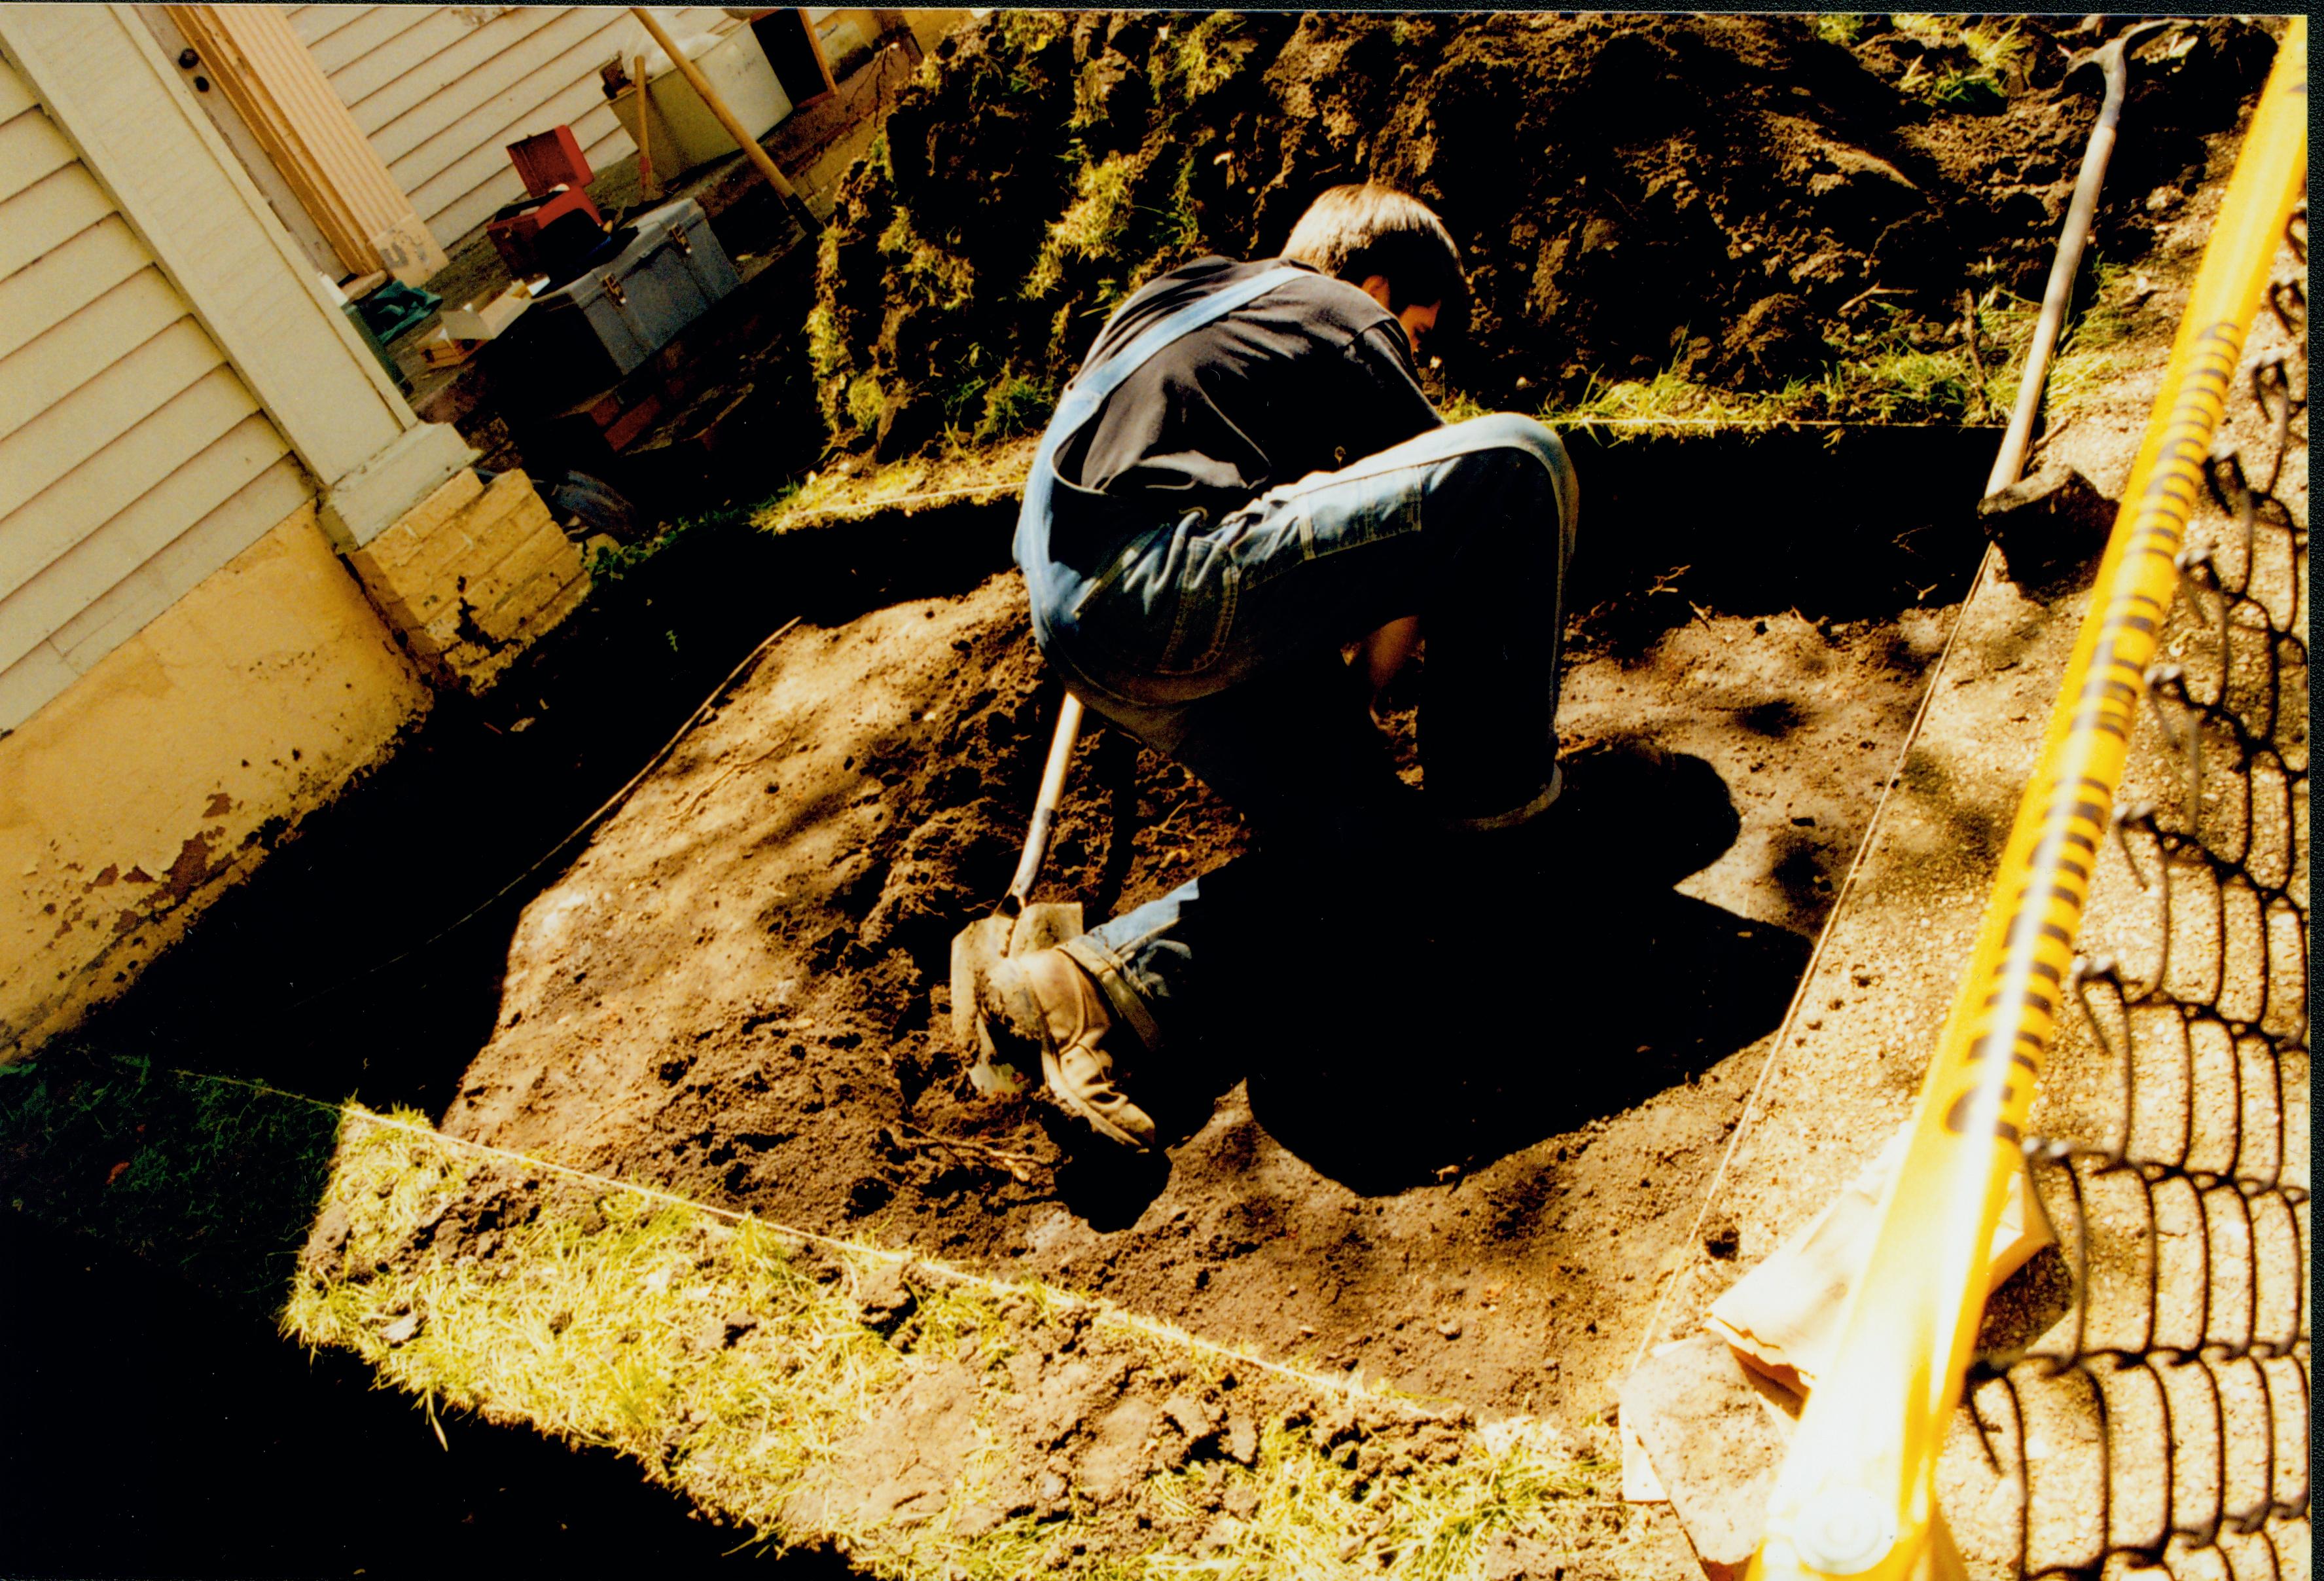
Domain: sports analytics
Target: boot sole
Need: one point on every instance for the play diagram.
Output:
(1015, 1003)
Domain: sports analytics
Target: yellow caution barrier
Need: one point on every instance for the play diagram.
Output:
(1856, 1497)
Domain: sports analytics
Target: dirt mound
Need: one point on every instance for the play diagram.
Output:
(1716, 195)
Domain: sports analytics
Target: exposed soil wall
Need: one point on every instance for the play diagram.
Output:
(1722, 196)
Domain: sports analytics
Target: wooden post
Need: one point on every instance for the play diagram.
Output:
(815, 47)
(727, 118)
(649, 183)
(290, 107)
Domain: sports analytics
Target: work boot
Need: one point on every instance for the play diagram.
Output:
(1044, 998)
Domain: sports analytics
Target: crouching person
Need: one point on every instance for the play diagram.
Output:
(1244, 483)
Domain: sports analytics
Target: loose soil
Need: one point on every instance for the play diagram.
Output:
(740, 990)
(1744, 200)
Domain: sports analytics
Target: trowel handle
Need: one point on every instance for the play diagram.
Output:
(1045, 805)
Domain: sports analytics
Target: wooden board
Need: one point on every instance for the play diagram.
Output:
(307, 133)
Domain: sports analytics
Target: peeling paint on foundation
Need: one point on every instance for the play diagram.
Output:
(189, 751)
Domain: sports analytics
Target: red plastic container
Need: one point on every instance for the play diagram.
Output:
(544, 163)
(550, 159)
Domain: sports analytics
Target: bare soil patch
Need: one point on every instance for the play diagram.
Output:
(1469, 1175)
(739, 989)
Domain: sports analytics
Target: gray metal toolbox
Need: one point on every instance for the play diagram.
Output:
(589, 332)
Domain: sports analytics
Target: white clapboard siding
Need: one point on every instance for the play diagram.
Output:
(101, 411)
(47, 214)
(241, 519)
(441, 90)
(65, 279)
(389, 40)
(215, 494)
(489, 66)
(133, 460)
(30, 148)
(16, 98)
(84, 500)
(368, 28)
(74, 352)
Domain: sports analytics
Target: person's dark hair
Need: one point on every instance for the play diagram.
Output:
(1353, 232)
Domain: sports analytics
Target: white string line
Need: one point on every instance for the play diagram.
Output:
(838, 507)
(1807, 976)
(1103, 1311)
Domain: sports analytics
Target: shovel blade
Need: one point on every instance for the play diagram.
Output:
(976, 950)
(1045, 926)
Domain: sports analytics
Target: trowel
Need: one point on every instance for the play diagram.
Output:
(1016, 927)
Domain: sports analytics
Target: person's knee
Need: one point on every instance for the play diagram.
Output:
(1513, 431)
(1504, 451)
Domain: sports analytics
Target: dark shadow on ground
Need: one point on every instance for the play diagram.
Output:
(156, 1424)
(1558, 980)
(1562, 1020)
(152, 1431)
(1566, 981)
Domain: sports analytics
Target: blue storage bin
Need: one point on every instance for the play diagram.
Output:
(589, 332)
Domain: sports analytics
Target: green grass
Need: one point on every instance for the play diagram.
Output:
(1092, 226)
(1013, 405)
(610, 563)
(1888, 379)
(937, 278)
(865, 401)
(597, 1312)
(209, 1179)
(589, 1320)
(1199, 60)
(1980, 85)
(1670, 396)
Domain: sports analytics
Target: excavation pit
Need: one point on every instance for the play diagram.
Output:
(738, 990)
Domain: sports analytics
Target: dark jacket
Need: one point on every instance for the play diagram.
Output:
(1307, 378)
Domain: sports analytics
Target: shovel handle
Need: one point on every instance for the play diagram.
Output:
(1045, 805)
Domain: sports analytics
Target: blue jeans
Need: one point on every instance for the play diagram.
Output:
(1217, 643)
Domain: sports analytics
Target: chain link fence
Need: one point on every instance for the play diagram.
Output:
(2162, 1422)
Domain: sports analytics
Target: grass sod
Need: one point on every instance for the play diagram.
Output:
(604, 1314)
(1889, 381)
(1885, 382)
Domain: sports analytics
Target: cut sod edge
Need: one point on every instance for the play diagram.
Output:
(1051, 1296)
(767, 1465)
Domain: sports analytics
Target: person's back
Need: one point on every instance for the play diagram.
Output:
(1304, 379)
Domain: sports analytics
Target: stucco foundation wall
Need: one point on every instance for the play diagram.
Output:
(131, 800)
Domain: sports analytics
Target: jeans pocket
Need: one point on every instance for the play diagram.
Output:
(1159, 615)
(1200, 624)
